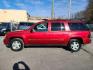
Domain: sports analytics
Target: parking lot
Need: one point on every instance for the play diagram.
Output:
(45, 58)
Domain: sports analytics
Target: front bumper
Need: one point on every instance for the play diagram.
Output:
(2, 33)
(6, 41)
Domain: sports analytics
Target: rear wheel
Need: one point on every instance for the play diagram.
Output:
(74, 45)
(16, 44)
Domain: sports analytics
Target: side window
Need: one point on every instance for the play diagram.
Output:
(78, 26)
(43, 27)
(57, 27)
(62, 26)
(73, 26)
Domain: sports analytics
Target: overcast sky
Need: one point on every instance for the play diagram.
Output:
(43, 7)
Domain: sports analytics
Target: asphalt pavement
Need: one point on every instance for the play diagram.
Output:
(46, 58)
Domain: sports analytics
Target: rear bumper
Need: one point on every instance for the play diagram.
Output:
(87, 41)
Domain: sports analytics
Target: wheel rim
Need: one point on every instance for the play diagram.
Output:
(16, 45)
(75, 45)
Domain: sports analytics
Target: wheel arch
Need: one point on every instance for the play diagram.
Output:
(78, 38)
(16, 37)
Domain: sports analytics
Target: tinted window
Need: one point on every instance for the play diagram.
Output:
(78, 26)
(57, 27)
(43, 27)
(5, 25)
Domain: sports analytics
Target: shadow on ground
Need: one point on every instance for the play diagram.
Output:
(24, 66)
(47, 46)
(53, 46)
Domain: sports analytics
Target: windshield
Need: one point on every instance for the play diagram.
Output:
(24, 26)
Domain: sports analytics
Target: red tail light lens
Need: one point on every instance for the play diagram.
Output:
(89, 36)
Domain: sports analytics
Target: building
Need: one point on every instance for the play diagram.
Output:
(7, 15)
(16, 16)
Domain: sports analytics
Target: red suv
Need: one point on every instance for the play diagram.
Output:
(50, 32)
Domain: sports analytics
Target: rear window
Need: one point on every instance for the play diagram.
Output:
(90, 26)
(78, 26)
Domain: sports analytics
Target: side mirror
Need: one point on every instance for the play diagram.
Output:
(32, 30)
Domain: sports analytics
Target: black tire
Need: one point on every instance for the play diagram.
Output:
(16, 44)
(74, 45)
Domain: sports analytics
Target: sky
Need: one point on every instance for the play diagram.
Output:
(43, 7)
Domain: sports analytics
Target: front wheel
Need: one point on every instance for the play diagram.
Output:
(74, 45)
(16, 44)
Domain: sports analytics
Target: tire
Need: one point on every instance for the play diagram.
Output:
(16, 44)
(74, 45)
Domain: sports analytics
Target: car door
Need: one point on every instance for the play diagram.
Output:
(39, 34)
(58, 35)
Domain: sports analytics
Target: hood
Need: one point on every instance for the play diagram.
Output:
(17, 33)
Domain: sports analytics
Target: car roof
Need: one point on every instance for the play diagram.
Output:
(68, 21)
(57, 20)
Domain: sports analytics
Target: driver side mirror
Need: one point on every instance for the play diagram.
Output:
(32, 30)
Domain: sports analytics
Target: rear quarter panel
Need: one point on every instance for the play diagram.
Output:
(80, 34)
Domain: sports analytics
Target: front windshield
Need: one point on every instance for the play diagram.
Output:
(24, 26)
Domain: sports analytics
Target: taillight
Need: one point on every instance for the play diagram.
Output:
(89, 35)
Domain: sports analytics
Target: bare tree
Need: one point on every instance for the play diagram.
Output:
(89, 11)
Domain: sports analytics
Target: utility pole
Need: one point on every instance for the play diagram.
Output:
(69, 9)
(52, 10)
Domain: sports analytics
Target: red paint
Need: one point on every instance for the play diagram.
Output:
(49, 37)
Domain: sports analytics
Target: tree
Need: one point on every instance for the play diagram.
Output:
(79, 15)
(89, 11)
(87, 14)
